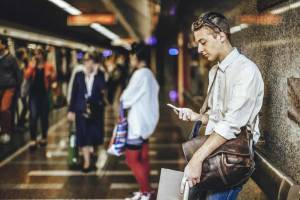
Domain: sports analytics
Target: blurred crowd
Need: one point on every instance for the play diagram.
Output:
(26, 80)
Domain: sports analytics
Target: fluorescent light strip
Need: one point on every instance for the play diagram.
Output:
(116, 40)
(36, 37)
(285, 8)
(238, 28)
(66, 7)
(104, 31)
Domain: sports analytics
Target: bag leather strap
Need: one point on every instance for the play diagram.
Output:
(198, 123)
(204, 106)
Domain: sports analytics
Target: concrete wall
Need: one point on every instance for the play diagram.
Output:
(276, 51)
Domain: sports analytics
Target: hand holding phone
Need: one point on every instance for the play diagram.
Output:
(174, 107)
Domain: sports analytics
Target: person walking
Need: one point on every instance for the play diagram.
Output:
(141, 98)
(87, 107)
(235, 101)
(10, 80)
(41, 74)
(21, 54)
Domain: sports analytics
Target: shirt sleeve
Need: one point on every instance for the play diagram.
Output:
(134, 91)
(240, 107)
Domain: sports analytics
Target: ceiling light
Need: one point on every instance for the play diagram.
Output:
(104, 31)
(238, 28)
(120, 42)
(286, 8)
(66, 7)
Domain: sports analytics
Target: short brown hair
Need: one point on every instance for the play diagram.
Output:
(42, 51)
(89, 56)
(215, 21)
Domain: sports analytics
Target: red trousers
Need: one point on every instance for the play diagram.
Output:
(138, 161)
(6, 97)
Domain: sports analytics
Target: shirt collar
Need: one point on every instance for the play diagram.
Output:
(92, 74)
(229, 59)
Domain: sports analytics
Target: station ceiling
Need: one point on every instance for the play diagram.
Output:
(135, 19)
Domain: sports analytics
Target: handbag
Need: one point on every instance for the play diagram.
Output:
(73, 156)
(119, 136)
(25, 87)
(227, 167)
(93, 111)
(56, 96)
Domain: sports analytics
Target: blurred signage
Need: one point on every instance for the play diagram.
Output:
(88, 19)
(266, 19)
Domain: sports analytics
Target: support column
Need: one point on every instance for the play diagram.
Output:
(180, 69)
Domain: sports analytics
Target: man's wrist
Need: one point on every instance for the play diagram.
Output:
(199, 157)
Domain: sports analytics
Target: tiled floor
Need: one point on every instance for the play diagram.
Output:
(44, 174)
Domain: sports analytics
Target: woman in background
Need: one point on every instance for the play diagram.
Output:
(42, 74)
(141, 98)
(87, 92)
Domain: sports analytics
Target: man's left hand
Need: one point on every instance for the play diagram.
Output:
(192, 173)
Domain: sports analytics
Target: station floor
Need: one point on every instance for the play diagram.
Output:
(44, 174)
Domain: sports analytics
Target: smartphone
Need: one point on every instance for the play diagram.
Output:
(174, 107)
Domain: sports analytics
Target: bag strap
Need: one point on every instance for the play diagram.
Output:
(204, 106)
(198, 123)
(121, 111)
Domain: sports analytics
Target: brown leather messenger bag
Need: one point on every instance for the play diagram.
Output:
(227, 167)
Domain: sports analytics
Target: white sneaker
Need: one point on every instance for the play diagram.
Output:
(4, 139)
(136, 196)
(148, 196)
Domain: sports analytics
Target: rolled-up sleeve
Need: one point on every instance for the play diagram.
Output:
(240, 106)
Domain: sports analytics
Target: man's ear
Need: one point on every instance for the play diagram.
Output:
(222, 36)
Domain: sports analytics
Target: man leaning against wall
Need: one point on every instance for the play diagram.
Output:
(235, 100)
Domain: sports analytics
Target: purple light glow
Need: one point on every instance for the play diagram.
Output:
(79, 55)
(173, 95)
(107, 53)
(151, 40)
(173, 10)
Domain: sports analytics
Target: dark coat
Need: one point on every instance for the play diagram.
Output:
(10, 75)
(79, 91)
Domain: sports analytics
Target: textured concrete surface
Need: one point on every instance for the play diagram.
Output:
(275, 49)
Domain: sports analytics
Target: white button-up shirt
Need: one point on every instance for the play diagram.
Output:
(141, 96)
(89, 81)
(236, 97)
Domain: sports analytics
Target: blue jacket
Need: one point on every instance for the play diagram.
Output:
(79, 91)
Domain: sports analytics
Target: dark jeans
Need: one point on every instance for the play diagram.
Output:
(214, 195)
(39, 108)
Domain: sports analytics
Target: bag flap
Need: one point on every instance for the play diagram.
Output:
(237, 146)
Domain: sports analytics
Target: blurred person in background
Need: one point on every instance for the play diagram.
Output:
(114, 79)
(141, 98)
(123, 66)
(22, 58)
(10, 80)
(99, 62)
(88, 90)
(41, 74)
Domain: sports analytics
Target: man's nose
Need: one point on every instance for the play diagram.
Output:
(200, 48)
